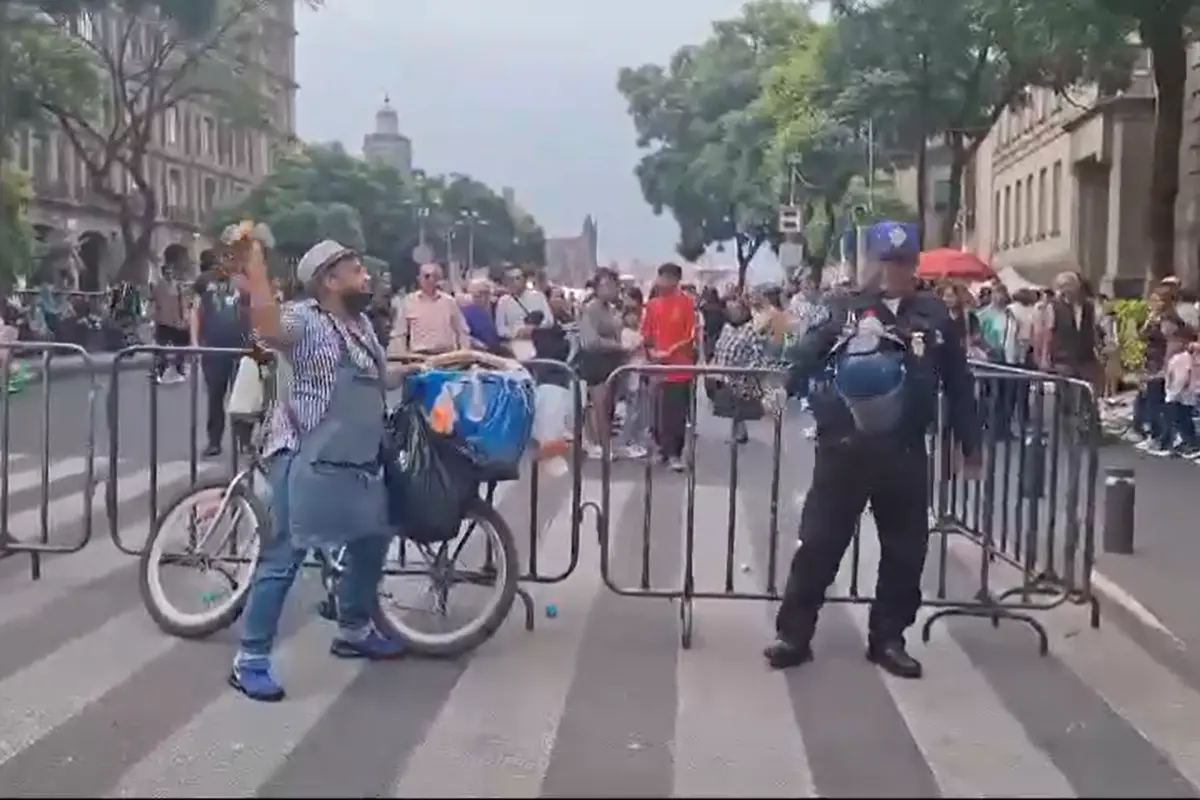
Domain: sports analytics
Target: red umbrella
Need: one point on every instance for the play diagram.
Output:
(946, 262)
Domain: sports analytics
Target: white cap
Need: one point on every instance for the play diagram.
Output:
(323, 254)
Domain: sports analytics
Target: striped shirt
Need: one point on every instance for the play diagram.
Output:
(313, 343)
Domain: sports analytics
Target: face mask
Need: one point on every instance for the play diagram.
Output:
(356, 302)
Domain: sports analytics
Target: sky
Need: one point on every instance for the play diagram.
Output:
(517, 93)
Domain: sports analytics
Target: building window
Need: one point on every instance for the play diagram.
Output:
(1018, 217)
(1006, 239)
(210, 193)
(1056, 200)
(171, 126)
(996, 208)
(1029, 209)
(174, 189)
(1041, 201)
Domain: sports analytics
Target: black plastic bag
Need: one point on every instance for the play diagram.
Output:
(430, 477)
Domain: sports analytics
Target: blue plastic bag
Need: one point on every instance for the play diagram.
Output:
(490, 411)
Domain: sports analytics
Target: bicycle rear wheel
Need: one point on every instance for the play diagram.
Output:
(401, 612)
(222, 543)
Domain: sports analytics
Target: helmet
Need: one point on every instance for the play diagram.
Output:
(868, 376)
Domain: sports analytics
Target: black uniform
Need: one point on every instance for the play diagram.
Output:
(890, 471)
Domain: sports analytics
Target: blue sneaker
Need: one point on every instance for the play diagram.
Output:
(375, 646)
(254, 679)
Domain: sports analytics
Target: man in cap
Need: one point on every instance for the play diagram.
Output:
(877, 363)
(323, 441)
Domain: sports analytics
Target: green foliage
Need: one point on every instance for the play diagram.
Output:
(321, 191)
(37, 63)
(697, 117)
(157, 55)
(948, 68)
(1131, 316)
(16, 236)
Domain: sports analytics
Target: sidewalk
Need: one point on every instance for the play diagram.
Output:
(1159, 585)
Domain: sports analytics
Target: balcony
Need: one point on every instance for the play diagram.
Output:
(180, 214)
(45, 189)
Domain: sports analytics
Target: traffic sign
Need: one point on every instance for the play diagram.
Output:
(790, 220)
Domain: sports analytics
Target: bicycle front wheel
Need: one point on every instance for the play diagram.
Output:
(194, 572)
(448, 598)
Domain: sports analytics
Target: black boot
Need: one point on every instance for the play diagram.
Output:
(893, 657)
(782, 654)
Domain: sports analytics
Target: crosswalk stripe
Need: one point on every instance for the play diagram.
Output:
(31, 475)
(234, 745)
(44, 695)
(597, 699)
(509, 701)
(66, 512)
(1139, 689)
(993, 759)
(723, 679)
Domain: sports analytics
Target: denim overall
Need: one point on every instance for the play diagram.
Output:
(327, 493)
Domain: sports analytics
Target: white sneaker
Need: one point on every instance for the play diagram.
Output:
(631, 451)
(593, 451)
(676, 464)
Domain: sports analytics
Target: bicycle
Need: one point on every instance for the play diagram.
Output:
(242, 498)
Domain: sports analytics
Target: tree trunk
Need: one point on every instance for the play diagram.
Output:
(746, 246)
(923, 154)
(1168, 46)
(958, 163)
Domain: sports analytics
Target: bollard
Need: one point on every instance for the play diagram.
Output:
(1119, 496)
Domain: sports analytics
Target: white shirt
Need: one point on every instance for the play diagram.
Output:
(1179, 379)
(511, 313)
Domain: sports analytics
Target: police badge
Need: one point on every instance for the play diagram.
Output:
(918, 344)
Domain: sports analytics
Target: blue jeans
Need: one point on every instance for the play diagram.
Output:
(1178, 423)
(278, 563)
(1148, 407)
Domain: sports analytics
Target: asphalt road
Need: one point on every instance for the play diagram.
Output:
(600, 699)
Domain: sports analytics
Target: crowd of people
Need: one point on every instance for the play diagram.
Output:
(1073, 331)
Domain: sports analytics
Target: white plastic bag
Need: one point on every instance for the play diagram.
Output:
(551, 426)
(246, 396)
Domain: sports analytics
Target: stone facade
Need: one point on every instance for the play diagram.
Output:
(197, 161)
(387, 145)
(1062, 184)
(571, 260)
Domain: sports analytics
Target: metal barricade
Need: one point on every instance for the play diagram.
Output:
(16, 542)
(153, 452)
(971, 509)
(1035, 507)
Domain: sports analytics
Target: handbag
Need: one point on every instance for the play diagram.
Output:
(729, 404)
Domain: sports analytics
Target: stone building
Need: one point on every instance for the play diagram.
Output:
(571, 260)
(386, 144)
(197, 161)
(1062, 183)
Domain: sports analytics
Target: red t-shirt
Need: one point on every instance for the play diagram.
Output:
(670, 322)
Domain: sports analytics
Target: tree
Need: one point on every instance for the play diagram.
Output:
(820, 153)
(1165, 28)
(151, 57)
(321, 191)
(35, 62)
(917, 69)
(707, 162)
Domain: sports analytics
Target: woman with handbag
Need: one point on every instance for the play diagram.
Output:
(744, 342)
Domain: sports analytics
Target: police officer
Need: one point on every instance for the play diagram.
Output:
(876, 362)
